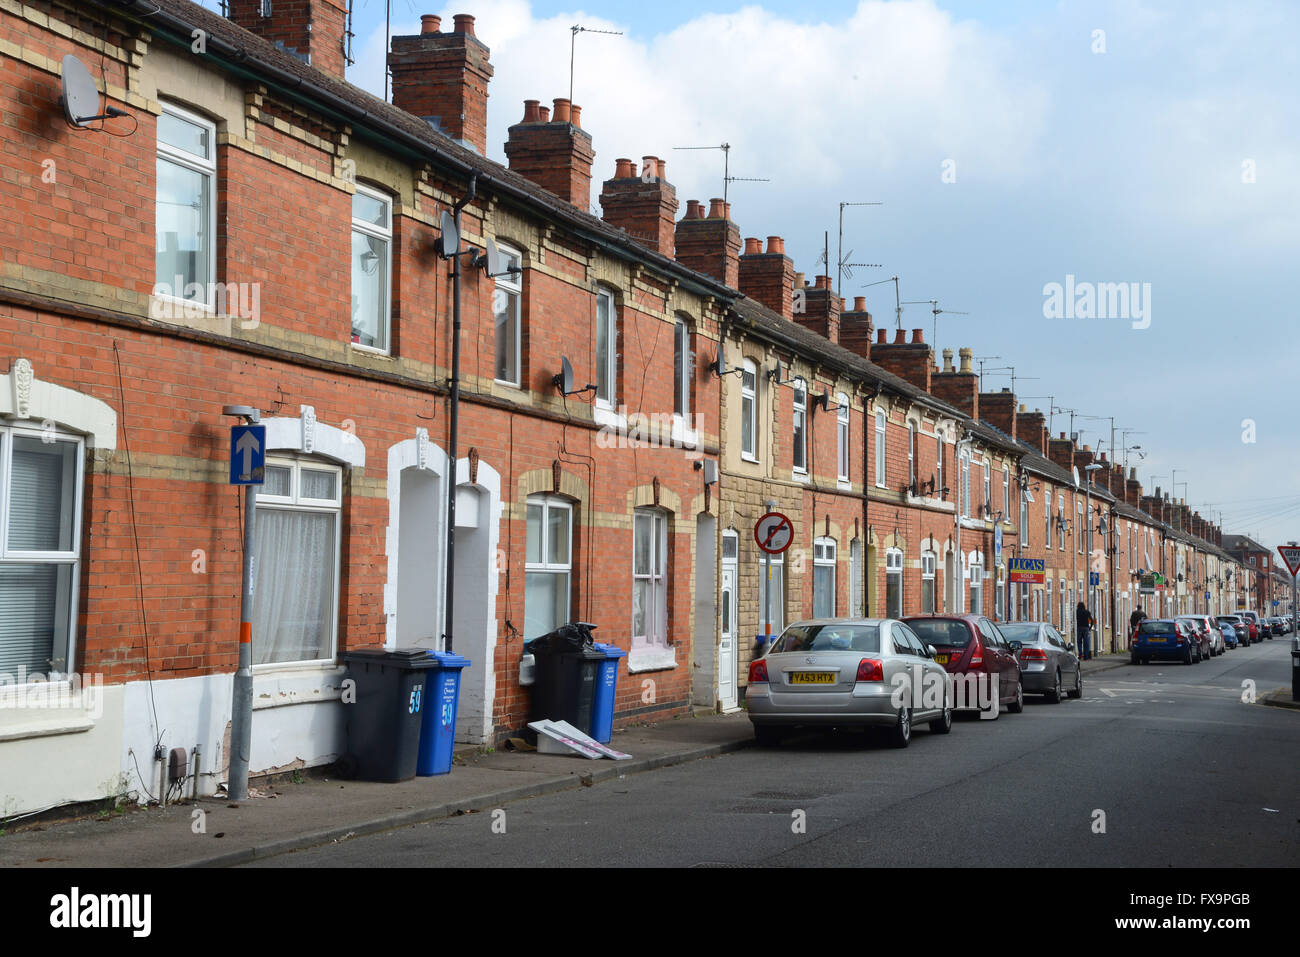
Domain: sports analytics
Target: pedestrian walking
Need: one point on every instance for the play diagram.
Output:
(1083, 622)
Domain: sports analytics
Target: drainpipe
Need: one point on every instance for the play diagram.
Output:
(961, 563)
(454, 416)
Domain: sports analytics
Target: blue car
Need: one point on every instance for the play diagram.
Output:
(1164, 638)
(1229, 634)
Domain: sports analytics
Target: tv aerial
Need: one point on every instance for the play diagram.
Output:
(898, 306)
(573, 42)
(934, 308)
(80, 97)
(727, 178)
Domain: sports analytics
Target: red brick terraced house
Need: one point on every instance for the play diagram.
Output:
(256, 231)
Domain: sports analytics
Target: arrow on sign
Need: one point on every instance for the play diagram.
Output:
(247, 446)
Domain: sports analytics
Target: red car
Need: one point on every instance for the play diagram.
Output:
(973, 645)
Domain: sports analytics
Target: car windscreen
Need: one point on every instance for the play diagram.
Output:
(1024, 633)
(941, 632)
(1156, 628)
(833, 637)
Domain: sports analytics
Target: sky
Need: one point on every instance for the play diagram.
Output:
(1012, 145)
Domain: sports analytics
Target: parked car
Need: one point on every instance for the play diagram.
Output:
(1164, 638)
(1201, 629)
(973, 645)
(1048, 662)
(1279, 626)
(1229, 634)
(1240, 625)
(1257, 631)
(838, 672)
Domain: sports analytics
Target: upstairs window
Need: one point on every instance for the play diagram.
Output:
(880, 449)
(799, 439)
(606, 349)
(1006, 493)
(682, 369)
(507, 311)
(842, 436)
(372, 260)
(185, 218)
(911, 456)
(749, 411)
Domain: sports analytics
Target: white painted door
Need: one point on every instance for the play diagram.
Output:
(727, 641)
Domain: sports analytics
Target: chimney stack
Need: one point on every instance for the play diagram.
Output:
(998, 409)
(645, 205)
(1061, 451)
(768, 277)
(1032, 428)
(913, 361)
(855, 328)
(310, 29)
(710, 244)
(555, 153)
(442, 77)
(820, 310)
(959, 387)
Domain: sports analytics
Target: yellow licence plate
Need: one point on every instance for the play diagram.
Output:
(941, 659)
(1152, 639)
(812, 678)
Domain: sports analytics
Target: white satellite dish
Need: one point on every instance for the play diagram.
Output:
(80, 96)
(449, 243)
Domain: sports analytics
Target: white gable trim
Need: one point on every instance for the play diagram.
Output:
(304, 434)
(23, 396)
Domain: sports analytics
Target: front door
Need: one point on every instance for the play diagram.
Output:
(727, 641)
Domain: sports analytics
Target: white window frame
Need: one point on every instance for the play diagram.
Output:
(296, 502)
(1024, 518)
(1047, 519)
(1047, 594)
(682, 369)
(208, 168)
(66, 618)
(824, 550)
(975, 573)
(911, 458)
(765, 601)
(607, 377)
(511, 286)
(1060, 520)
(882, 420)
(543, 567)
(657, 577)
(963, 490)
(938, 464)
(799, 427)
(988, 489)
(749, 396)
(929, 562)
(1006, 494)
(1078, 526)
(842, 437)
(383, 234)
(894, 566)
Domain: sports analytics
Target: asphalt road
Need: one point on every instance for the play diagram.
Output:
(1167, 758)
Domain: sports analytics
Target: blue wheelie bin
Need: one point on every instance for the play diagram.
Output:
(602, 705)
(438, 724)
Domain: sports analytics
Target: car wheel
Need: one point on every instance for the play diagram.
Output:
(1187, 658)
(1134, 659)
(1078, 684)
(900, 735)
(767, 735)
(1018, 705)
(943, 723)
(1054, 696)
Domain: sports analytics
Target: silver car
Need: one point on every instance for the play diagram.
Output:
(1048, 662)
(840, 672)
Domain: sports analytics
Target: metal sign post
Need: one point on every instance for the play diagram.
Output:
(247, 468)
(773, 533)
(1290, 553)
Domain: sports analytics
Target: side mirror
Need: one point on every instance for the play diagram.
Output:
(1069, 646)
(1015, 646)
(931, 650)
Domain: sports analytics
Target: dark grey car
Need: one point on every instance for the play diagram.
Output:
(1048, 662)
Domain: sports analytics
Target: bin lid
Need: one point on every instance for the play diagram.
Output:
(447, 660)
(410, 658)
(609, 651)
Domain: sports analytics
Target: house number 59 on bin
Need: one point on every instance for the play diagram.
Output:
(414, 706)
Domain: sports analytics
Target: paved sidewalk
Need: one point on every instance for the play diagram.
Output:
(1107, 662)
(321, 810)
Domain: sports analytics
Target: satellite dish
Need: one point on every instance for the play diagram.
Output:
(1075, 470)
(80, 97)
(493, 259)
(449, 243)
(564, 378)
(710, 472)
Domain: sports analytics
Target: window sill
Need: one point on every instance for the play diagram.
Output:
(651, 659)
(371, 350)
(844, 485)
(749, 458)
(607, 416)
(45, 718)
(799, 475)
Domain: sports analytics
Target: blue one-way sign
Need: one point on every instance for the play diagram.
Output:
(247, 454)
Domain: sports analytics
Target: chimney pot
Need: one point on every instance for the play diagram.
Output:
(693, 210)
(464, 23)
(561, 112)
(900, 337)
(544, 114)
(775, 245)
(1021, 407)
(753, 246)
(1062, 435)
(918, 336)
(575, 115)
(716, 210)
(623, 170)
(967, 354)
(649, 167)
(823, 282)
(798, 280)
(859, 303)
(947, 360)
(530, 110)
(430, 23)
(882, 336)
